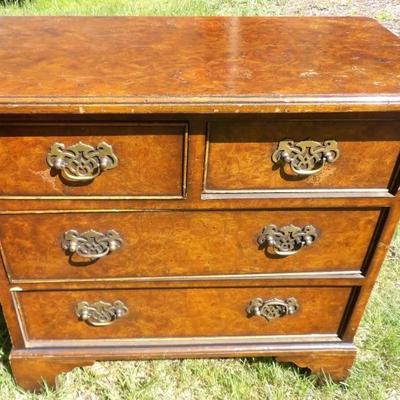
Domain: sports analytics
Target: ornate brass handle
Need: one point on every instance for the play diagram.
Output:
(289, 239)
(81, 162)
(100, 313)
(91, 244)
(306, 157)
(272, 308)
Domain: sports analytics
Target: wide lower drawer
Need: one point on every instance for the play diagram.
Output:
(256, 156)
(102, 315)
(125, 160)
(174, 243)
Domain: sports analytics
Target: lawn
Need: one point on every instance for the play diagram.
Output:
(376, 374)
(387, 12)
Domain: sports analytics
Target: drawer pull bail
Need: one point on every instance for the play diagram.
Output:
(306, 157)
(272, 308)
(100, 313)
(91, 244)
(81, 162)
(287, 240)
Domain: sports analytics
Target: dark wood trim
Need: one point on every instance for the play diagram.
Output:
(31, 367)
(375, 239)
(395, 179)
(193, 105)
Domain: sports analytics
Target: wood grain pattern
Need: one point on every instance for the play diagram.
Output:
(184, 243)
(240, 153)
(199, 62)
(190, 262)
(179, 313)
(151, 159)
(31, 366)
(33, 372)
(334, 364)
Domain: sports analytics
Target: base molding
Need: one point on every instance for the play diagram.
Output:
(31, 367)
(336, 365)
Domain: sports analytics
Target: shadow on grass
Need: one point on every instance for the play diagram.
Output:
(5, 343)
(300, 372)
(19, 3)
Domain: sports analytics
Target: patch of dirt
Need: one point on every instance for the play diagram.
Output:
(386, 12)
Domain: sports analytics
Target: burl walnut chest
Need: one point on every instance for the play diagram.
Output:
(193, 187)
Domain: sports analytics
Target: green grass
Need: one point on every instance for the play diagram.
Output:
(376, 8)
(376, 374)
(111, 7)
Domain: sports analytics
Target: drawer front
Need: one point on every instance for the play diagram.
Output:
(249, 156)
(93, 160)
(195, 312)
(170, 243)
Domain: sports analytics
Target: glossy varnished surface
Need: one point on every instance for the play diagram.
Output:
(200, 73)
(184, 243)
(185, 60)
(151, 160)
(180, 244)
(182, 313)
(240, 154)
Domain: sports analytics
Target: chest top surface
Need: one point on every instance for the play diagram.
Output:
(202, 60)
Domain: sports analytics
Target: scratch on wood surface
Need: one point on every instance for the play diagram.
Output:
(309, 73)
(47, 178)
(322, 175)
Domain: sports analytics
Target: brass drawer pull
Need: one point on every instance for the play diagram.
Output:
(100, 313)
(91, 244)
(289, 239)
(81, 162)
(306, 157)
(272, 308)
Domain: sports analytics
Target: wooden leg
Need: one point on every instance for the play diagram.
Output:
(30, 372)
(335, 364)
(33, 366)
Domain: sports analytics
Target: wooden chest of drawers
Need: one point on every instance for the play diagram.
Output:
(194, 187)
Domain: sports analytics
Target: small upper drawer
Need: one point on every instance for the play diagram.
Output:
(112, 160)
(306, 155)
